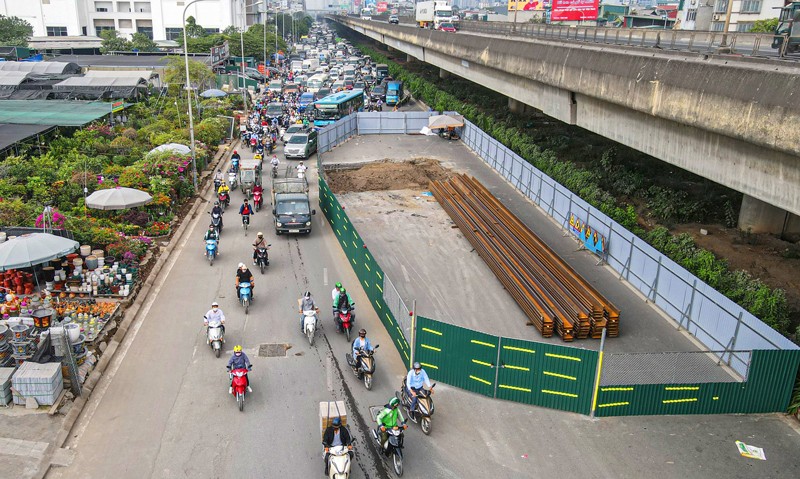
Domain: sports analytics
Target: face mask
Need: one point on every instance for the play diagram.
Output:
(239, 353)
(417, 371)
(214, 308)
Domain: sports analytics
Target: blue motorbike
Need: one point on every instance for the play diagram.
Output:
(245, 296)
(211, 251)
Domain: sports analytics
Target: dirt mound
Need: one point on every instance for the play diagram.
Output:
(388, 175)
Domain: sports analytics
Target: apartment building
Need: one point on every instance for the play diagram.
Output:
(709, 15)
(158, 19)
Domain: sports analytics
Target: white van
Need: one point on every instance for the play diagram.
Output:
(316, 82)
(310, 64)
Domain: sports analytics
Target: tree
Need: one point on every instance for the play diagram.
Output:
(193, 30)
(200, 74)
(230, 30)
(112, 42)
(143, 43)
(14, 31)
(765, 26)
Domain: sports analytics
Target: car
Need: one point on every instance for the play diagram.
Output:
(338, 85)
(291, 88)
(368, 79)
(349, 83)
(359, 85)
(275, 86)
(378, 92)
(255, 74)
(447, 27)
(306, 99)
(301, 145)
(394, 19)
(323, 92)
(296, 128)
(274, 110)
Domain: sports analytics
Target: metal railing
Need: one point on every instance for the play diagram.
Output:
(689, 367)
(397, 306)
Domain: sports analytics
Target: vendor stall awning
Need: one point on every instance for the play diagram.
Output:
(52, 112)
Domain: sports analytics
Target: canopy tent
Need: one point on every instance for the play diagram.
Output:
(11, 79)
(173, 147)
(213, 93)
(96, 87)
(34, 248)
(445, 121)
(42, 68)
(118, 198)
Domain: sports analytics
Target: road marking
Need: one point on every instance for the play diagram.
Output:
(405, 273)
(325, 276)
(329, 373)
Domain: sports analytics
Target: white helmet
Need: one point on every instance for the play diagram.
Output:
(241, 265)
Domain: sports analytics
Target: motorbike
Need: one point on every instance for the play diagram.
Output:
(245, 296)
(258, 200)
(366, 368)
(224, 199)
(346, 318)
(239, 381)
(424, 411)
(234, 167)
(245, 223)
(262, 257)
(310, 325)
(215, 336)
(393, 448)
(233, 179)
(216, 221)
(211, 251)
(301, 174)
(274, 171)
(217, 182)
(338, 463)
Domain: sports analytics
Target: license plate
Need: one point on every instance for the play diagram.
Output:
(294, 231)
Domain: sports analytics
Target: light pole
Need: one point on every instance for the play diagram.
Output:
(189, 93)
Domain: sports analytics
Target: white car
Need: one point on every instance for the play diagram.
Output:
(292, 130)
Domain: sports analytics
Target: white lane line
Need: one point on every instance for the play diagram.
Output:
(329, 371)
(405, 273)
(325, 276)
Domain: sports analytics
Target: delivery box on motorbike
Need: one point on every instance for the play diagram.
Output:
(328, 410)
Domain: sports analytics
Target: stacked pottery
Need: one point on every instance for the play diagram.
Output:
(21, 345)
(5, 347)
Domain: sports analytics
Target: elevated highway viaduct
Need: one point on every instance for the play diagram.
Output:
(733, 120)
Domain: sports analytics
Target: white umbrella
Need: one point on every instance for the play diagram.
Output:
(174, 147)
(34, 248)
(445, 121)
(118, 198)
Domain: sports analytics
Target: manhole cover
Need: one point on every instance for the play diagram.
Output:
(272, 350)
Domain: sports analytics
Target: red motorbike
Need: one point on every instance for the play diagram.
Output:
(239, 385)
(258, 199)
(224, 199)
(346, 317)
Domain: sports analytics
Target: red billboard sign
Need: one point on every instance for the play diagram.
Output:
(573, 10)
(382, 7)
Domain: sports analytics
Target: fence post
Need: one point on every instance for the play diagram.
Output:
(413, 332)
(497, 365)
(735, 336)
(599, 373)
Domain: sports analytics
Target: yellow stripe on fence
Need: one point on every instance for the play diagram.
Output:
(480, 380)
(429, 366)
(366, 265)
(515, 388)
(338, 233)
(378, 303)
(368, 258)
(432, 348)
(616, 389)
(353, 260)
(562, 376)
(377, 285)
(344, 227)
(378, 273)
(614, 404)
(687, 388)
(559, 393)
(475, 341)
(482, 363)
(522, 350)
(518, 368)
(354, 244)
(438, 333)
(561, 356)
(715, 398)
(406, 355)
(389, 318)
(670, 401)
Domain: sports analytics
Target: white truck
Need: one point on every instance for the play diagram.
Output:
(433, 13)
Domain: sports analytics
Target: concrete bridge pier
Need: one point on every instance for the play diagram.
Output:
(516, 106)
(758, 216)
(409, 59)
(444, 74)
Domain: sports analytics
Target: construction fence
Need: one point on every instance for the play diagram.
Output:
(570, 378)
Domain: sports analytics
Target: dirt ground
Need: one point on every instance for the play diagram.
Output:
(763, 256)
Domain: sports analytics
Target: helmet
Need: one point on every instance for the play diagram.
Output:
(394, 402)
(260, 234)
(214, 304)
(234, 152)
(237, 348)
(416, 365)
(216, 203)
(336, 422)
(342, 290)
(211, 227)
(307, 294)
(241, 265)
(362, 332)
(339, 285)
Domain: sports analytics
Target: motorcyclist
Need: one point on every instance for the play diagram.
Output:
(212, 234)
(243, 275)
(415, 380)
(305, 303)
(235, 156)
(390, 418)
(361, 343)
(335, 293)
(342, 301)
(336, 435)
(257, 188)
(301, 168)
(274, 162)
(260, 242)
(218, 179)
(239, 360)
(217, 210)
(245, 210)
(214, 314)
(223, 189)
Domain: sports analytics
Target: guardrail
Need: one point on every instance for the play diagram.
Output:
(747, 44)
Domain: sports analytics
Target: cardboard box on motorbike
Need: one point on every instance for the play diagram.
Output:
(329, 410)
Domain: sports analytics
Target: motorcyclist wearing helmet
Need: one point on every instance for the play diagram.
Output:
(335, 293)
(415, 380)
(336, 435)
(218, 179)
(390, 418)
(342, 301)
(217, 210)
(260, 242)
(243, 275)
(305, 303)
(213, 315)
(235, 155)
(223, 188)
(212, 234)
(361, 343)
(239, 360)
(245, 210)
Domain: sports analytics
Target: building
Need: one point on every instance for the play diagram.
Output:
(158, 19)
(710, 15)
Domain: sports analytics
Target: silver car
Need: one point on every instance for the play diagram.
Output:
(292, 130)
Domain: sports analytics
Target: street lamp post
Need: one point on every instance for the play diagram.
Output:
(189, 93)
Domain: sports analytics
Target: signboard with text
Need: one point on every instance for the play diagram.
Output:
(382, 7)
(525, 5)
(573, 10)
(220, 53)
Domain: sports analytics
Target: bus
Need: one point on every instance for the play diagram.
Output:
(337, 106)
(366, 14)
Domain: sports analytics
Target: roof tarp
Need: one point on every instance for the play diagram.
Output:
(11, 78)
(10, 134)
(52, 112)
(143, 74)
(94, 88)
(42, 68)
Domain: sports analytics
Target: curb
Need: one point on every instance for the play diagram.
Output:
(129, 316)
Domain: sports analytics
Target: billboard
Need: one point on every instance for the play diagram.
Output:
(382, 7)
(525, 5)
(573, 10)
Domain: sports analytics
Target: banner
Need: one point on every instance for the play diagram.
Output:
(382, 7)
(525, 5)
(117, 106)
(592, 240)
(573, 10)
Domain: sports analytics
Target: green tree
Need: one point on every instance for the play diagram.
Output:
(14, 31)
(765, 26)
(200, 74)
(193, 30)
(143, 43)
(112, 42)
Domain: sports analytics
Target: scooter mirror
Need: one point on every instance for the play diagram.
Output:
(377, 346)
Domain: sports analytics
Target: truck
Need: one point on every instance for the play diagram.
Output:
(394, 93)
(788, 28)
(291, 208)
(433, 13)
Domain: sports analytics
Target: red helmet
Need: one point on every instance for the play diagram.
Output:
(234, 152)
